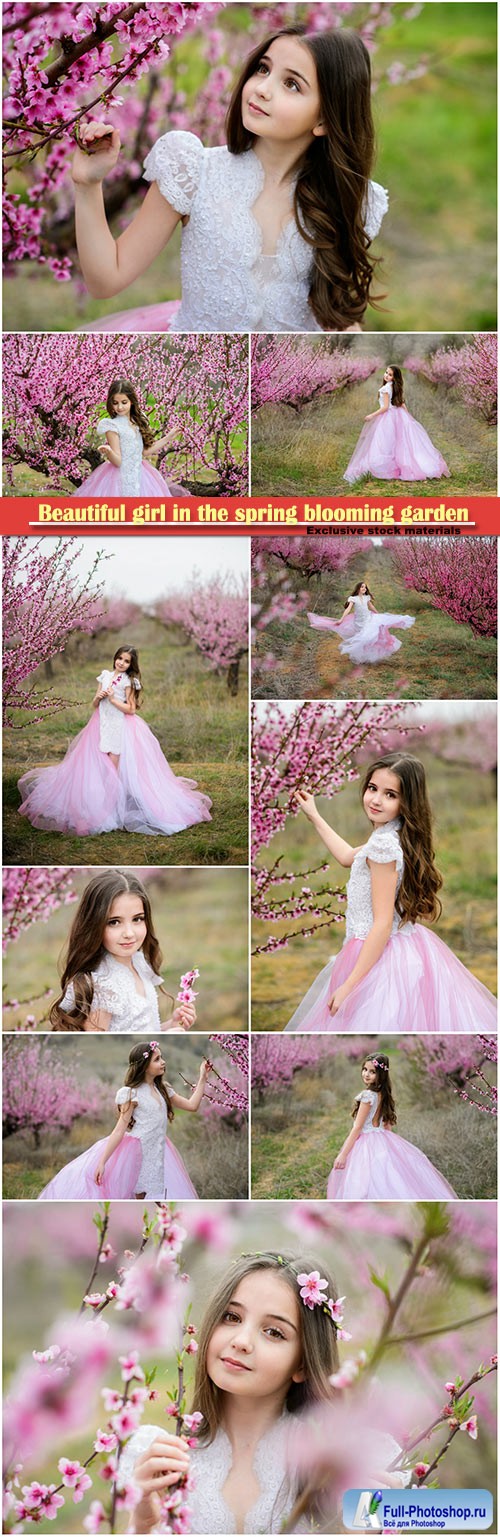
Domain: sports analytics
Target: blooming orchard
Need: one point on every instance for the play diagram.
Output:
(192, 387)
(291, 371)
(214, 614)
(472, 370)
(276, 1059)
(459, 575)
(40, 1095)
(32, 895)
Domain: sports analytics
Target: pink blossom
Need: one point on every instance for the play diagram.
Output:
(124, 1422)
(311, 1288)
(420, 1469)
(470, 1426)
(105, 1441)
(96, 1517)
(130, 1367)
(191, 1348)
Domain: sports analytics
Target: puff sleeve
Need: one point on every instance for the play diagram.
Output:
(174, 163)
(366, 1097)
(126, 1096)
(376, 206)
(110, 424)
(384, 848)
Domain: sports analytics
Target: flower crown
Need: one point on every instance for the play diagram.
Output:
(311, 1289)
(377, 1063)
(152, 1047)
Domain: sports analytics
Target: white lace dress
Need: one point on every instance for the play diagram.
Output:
(150, 1127)
(131, 448)
(365, 635)
(116, 993)
(417, 983)
(111, 720)
(211, 1465)
(227, 282)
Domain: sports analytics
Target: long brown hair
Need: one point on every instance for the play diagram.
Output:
(383, 1086)
(319, 1338)
(139, 1060)
(124, 387)
(332, 175)
(417, 895)
(133, 671)
(355, 591)
(85, 947)
(398, 393)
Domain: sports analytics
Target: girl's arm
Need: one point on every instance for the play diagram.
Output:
(99, 1020)
(127, 708)
(194, 1102)
(116, 1136)
(362, 1116)
(384, 407)
(109, 265)
(383, 883)
(182, 1018)
(372, 608)
(343, 852)
(164, 1463)
(111, 449)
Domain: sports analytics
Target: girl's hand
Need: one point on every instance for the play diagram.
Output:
(339, 997)
(205, 1069)
(98, 1176)
(305, 802)
(184, 1016)
(105, 451)
(340, 1162)
(369, 417)
(92, 160)
(165, 1462)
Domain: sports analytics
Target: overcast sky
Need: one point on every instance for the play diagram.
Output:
(144, 568)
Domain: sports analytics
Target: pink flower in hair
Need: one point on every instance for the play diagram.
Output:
(311, 1288)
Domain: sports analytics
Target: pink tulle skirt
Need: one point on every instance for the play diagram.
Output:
(121, 1178)
(149, 317)
(394, 446)
(384, 1167)
(86, 794)
(106, 481)
(417, 984)
(372, 643)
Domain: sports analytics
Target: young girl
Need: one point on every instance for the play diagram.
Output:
(137, 1159)
(392, 445)
(391, 971)
(365, 633)
(277, 226)
(373, 1165)
(264, 1358)
(114, 774)
(111, 975)
(129, 442)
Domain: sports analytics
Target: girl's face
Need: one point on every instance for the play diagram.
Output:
(281, 101)
(363, 590)
(156, 1064)
(256, 1349)
(125, 928)
(382, 797)
(369, 1074)
(388, 376)
(121, 405)
(123, 661)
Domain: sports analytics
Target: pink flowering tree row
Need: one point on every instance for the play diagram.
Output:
(31, 894)
(291, 371)
(44, 601)
(278, 566)
(195, 388)
(314, 745)
(466, 1064)
(459, 575)
(226, 1095)
(136, 1305)
(276, 1059)
(126, 63)
(213, 615)
(40, 1095)
(472, 370)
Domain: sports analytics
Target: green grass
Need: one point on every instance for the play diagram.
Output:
(306, 454)
(438, 659)
(202, 731)
(436, 137)
(200, 917)
(298, 1131)
(465, 838)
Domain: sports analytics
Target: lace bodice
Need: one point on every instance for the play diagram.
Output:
(210, 1466)
(383, 848)
(361, 611)
(227, 282)
(369, 1097)
(116, 994)
(385, 390)
(131, 448)
(111, 720)
(150, 1127)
